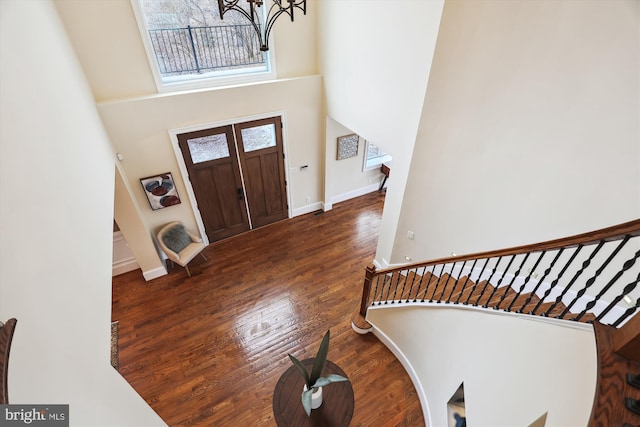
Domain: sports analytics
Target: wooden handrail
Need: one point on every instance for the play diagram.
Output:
(6, 337)
(615, 232)
(553, 294)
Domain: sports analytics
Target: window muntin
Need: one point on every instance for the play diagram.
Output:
(189, 46)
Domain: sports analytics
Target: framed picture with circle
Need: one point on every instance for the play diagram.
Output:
(160, 190)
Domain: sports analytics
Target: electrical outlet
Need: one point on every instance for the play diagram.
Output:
(308, 199)
(410, 235)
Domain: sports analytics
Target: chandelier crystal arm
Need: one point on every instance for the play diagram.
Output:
(253, 16)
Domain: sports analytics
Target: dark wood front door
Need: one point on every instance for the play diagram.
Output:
(222, 176)
(262, 159)
(211, 160)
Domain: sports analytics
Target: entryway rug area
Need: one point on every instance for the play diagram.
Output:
(114, 345)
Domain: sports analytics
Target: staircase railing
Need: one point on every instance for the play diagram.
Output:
(583, 278)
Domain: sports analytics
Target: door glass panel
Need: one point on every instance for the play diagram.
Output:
(208, 148)
(259, 137)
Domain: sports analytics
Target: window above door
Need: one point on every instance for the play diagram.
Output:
(188, 46)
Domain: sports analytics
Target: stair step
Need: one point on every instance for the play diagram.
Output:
(546, 306)
(485, 289)
(437, 288)
(461, 285)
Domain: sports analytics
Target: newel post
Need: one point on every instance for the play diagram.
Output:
(366, 288)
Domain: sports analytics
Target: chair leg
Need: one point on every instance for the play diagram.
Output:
(186, 267)
(205, 258)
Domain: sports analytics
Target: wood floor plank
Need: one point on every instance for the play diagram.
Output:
(208, 350)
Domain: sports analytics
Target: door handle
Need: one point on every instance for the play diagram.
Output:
(240, 193)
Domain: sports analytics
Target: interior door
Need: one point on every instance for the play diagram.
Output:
(262, 159)
(211, 161)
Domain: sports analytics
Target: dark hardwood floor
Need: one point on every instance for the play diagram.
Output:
(208, 350)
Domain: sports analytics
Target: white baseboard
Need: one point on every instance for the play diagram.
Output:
(154, 274)
(124, 266)
(306, 209)
(355, 193)
(406, 364)
(328, 205)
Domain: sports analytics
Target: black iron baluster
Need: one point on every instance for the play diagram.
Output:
(424, 272)
(393, 286)
(495, 289)
(432, 276)
(395, 291)
(627, 289)
(390, 281)
(541, 281)
(626, 266)
(457, 279)
(217, 57)
(477, 282)
(193, 49)
(384, 278)
(493, 272)
(413, 281)
(433, 295)
(203, 48)
(592, 279)
(585, 264)
(375, 291)
(175, 53)
(466, 281)
(515, 275)
(555, 282)
(428, 284)
(524, 285)
(626, 314)
(404, 285)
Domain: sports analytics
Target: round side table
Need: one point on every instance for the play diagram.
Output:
(337, 400)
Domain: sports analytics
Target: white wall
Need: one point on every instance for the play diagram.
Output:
(375, 57)
(345, 179)
(139, 130)
(531, 127)
(127, 214)
(514, 369)
(56, 216)
(108, 44)
(107, 41)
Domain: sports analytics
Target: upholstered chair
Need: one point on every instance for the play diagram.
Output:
(180, 245)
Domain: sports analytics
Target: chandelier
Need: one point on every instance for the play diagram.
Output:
(253, 15)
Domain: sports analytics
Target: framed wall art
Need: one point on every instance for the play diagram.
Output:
(348, 146)
(160, 190)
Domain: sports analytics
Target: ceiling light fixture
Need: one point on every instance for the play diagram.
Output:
(277, 8)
